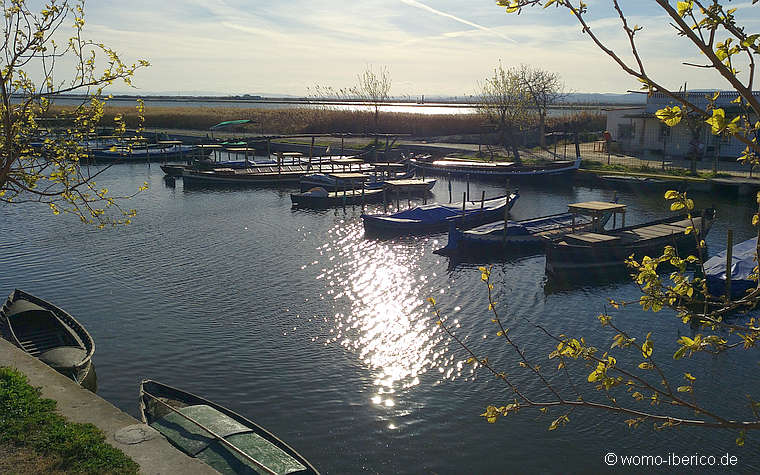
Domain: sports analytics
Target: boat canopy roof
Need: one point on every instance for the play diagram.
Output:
(229, 123)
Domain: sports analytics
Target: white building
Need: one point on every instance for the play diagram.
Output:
(636, 129)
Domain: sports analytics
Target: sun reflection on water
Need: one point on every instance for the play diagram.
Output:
(387, 322)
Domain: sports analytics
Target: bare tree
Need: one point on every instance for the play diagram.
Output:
(545, 89)
(505, 103)
(373, 88)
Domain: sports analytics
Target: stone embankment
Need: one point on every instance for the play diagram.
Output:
(148, 448)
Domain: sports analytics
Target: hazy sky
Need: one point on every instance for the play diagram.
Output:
(429, 46)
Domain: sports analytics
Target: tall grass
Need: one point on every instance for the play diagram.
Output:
(318, 121)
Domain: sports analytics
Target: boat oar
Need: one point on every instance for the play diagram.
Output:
(221, 439)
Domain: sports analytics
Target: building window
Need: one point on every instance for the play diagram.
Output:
(664, 132)
(626, 131)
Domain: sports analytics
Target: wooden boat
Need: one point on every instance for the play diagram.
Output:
(437, 217)
(140, 154)
(501, 170)
(175, 170)
(321, 198)
(372, 179)
(594, 253)
(223, 439)
(534, 233)
(49, 333)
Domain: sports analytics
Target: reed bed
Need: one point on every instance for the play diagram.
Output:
(318, 121)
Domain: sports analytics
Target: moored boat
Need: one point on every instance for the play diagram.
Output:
(535, 233)
(49, 333)
(436, 217)
(742, 270)
(593, 253)
(141, 153)
(501, 170)
(223, 439)
(320, 198)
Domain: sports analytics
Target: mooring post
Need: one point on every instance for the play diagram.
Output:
(729, 259)
(398, 201)
(464, 206)
(385, 200)
(468, 186)
(506, 216)
(311, 149)
(269, 149)
(450, 188)
(362, 197)
(341, 146)
(483, 199)
(279, 163)
(409, 198)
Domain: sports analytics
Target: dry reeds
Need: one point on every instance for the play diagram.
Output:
(296, 120)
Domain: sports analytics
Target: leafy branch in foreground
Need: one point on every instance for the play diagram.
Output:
(41, 150)
(714, 31)
(628, 376)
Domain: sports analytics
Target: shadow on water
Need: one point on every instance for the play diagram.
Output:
(558, 283)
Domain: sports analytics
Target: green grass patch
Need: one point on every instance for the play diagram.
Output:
(674, 172)
(30, 421)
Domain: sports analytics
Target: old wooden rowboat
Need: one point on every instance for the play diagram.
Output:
(223, 439)
(49, 333)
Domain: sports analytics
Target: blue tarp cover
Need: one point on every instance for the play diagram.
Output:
(742, 265)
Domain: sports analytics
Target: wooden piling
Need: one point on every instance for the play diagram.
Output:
(385, 200)
(729, 258)
(464, 207)
(450, 188)
(482, 199)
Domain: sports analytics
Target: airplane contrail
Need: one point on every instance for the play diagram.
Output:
(422, 6)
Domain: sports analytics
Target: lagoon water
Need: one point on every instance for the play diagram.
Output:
(297, 321)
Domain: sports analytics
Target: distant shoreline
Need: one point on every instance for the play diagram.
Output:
(327, 102)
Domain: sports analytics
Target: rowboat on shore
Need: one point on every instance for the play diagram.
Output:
(535, 233)
(436, 217)
(223, 439)
(588, 253)
(48, 333)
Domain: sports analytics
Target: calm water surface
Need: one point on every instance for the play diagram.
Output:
(296, 320)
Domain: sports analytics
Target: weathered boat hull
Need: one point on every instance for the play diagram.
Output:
(177, 152)
(48, 333)
(347, 197)
(536, 233)
(234, 428)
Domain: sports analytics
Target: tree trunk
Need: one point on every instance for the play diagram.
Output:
(542, 128)
(514, 146)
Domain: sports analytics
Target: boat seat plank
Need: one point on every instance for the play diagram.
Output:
(591, 238)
